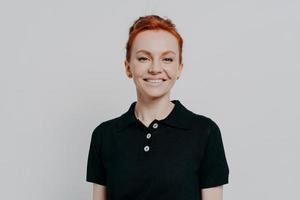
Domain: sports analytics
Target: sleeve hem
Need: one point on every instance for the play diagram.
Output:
(215, 183)
(99, 182)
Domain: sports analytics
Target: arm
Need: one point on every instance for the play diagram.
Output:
(99, 192)
(214, 193)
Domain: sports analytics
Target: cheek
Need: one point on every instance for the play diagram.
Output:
(171, 71)
(138, 72)
(139, 69)
(135, 67)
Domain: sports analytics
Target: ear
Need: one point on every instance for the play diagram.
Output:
(180, 69)
(127, 69)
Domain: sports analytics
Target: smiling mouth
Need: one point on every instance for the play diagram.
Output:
(154, 80)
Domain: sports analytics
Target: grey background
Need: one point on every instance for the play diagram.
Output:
(62, 74)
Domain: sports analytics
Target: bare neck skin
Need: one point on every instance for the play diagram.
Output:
(146, 112)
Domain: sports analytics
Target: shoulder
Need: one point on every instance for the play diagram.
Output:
(201, 121)
(106, 126)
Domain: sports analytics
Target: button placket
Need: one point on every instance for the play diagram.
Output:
(147, 141)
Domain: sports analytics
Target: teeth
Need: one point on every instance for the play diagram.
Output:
(154, 81)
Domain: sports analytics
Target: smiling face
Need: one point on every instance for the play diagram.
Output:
(154, 63)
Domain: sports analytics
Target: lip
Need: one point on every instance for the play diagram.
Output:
(163, 79)
(153, 83)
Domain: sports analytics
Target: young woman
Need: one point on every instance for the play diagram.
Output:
(158, 149)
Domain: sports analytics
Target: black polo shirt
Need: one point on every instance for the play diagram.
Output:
(172, 159)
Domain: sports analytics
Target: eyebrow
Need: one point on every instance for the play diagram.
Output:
(148, 53)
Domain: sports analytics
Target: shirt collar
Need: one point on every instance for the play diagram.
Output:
(179, 117)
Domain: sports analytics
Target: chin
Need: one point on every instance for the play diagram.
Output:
(155, 94)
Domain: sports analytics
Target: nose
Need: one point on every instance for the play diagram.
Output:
(155, 67)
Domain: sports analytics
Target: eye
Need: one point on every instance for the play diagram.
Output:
(169, 59)
(142, 59)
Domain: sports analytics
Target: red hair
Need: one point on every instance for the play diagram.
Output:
(152, 22)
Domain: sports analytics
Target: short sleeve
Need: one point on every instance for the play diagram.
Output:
(96, 172)
(214, 170)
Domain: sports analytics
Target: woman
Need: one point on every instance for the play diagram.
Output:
(158, 149)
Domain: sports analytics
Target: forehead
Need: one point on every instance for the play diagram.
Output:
(155, 41)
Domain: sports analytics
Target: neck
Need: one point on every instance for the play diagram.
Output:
(150, 110)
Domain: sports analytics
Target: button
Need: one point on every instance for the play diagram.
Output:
(148, 135)
(146, 148)
(155, 125)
